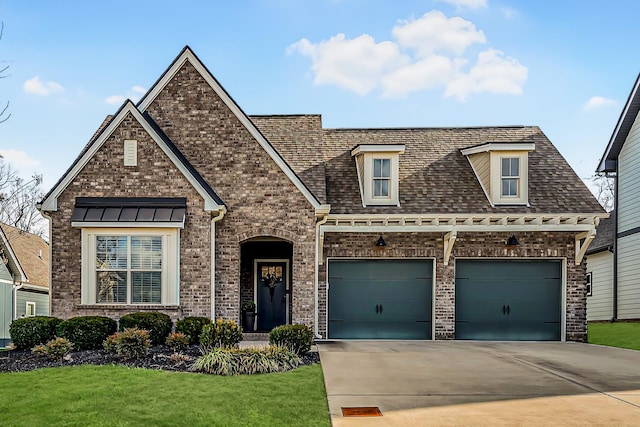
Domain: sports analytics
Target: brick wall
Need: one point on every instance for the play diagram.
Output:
(468, 245)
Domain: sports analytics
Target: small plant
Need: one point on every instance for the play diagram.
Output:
(192, 327)
(248, 307)
(221, 334)
(159, 325)
(31, 331)
(87, 332)
(55, 349)
(130, 343)
(224, 361)
(177, 341)
(297, 338)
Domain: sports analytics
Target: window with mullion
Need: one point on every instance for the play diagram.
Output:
(129, 265)
(381, 177)
(510, 175)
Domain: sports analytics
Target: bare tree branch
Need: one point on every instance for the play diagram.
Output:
(18, 198)
(3, 118)
(604, 189)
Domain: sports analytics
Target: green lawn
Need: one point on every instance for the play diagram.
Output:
(625, 335)
(119, 396)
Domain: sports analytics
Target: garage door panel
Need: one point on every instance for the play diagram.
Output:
(508, 300)
(380, 299)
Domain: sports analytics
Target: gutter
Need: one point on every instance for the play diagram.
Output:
(316, 326)
(214, 219)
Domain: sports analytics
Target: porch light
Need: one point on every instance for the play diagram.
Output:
(512, 241)
(381, 243)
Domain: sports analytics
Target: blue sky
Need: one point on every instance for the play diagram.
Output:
(566, 66)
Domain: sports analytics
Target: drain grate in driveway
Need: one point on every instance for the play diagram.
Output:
(361, 411)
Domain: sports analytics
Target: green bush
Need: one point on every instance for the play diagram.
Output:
(297, 338)
(192, 327)
(31, 331)
(57, 348)
(177, 341)
(130, 343)
(158, 324)
(225, 361)
(222, 333)
(87, 332)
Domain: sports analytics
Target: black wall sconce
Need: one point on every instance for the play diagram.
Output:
(381, 243)
(512, 241)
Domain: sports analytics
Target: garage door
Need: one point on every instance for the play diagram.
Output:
(508, 300)
(380, 299)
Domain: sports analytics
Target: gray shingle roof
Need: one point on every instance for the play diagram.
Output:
(604, 235)
(434, 176)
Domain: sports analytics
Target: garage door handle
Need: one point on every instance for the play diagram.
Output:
(504, 310)
(508, 309)
(380, 308)
(377, 308)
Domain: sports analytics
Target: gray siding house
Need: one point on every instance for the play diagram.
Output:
(600, 273)
(184, 204)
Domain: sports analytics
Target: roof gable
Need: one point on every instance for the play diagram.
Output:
(609, 160)
(212, 201)
(187, 55)
(12, 258)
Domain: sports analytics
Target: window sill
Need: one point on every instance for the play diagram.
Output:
(128, 307)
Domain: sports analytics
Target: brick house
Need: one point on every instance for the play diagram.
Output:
(184, 204)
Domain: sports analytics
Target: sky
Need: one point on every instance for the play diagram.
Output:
(566, 66)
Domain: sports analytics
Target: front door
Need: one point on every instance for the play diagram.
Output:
(271, 281)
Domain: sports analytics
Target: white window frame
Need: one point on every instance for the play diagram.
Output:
(496, 178)
(170, 264)
(589, 284)
(369, 198)
(26, 311)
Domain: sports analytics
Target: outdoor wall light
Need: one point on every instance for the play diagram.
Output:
(512, 241)
(381, 243)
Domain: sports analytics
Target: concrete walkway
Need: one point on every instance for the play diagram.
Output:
(458, 383)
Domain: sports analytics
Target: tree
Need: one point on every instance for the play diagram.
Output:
(604, 189)
(18, 198)
(4, 115)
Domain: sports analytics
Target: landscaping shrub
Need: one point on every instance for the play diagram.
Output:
(87, 332)
(177, 341)
(222, 333)
(57, 348)
(192, 327)
(297, 338)
(31, 331)
(130, 343)
(158, 324)
(225, 361)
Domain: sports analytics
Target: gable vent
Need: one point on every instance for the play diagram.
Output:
(131, 152)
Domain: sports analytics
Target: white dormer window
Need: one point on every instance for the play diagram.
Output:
(502, 170)
(378, 173)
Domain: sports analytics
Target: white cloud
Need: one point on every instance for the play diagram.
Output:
(429, 53)
(19, 159)
(434, 32)
(467, 4)
(355, 64)
(493, 73)
(38, 87)
(598, 102)
(133, 94)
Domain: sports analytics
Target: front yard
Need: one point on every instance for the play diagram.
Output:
(619, 334)
(121, 396)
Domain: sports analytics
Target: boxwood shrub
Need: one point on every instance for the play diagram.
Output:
(221, 334)
(159, 325)
(31, 331)
(297, 338)
(192, 327)
(87, 332)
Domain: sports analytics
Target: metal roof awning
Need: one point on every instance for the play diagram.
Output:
(129, 212)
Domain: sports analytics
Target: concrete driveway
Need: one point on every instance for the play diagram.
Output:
(462, 383)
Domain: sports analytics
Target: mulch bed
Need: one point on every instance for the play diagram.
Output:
(159, 357)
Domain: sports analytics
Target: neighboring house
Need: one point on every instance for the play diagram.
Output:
(600, 272)
(183, 204)
(24, 277)
(622, 160)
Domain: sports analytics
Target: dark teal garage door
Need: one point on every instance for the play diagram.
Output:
(380, 299)
(508, 300)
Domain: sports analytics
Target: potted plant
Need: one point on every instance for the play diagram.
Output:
(249, 316)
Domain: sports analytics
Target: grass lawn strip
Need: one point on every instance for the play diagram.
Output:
(120, 396)
(619, 334)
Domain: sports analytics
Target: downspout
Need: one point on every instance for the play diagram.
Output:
(214, 219)
(48, 218)
(615, 248)
(316, 326)
(15, 299)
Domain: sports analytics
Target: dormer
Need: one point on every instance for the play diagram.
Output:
(502, 168)
(378, 172)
